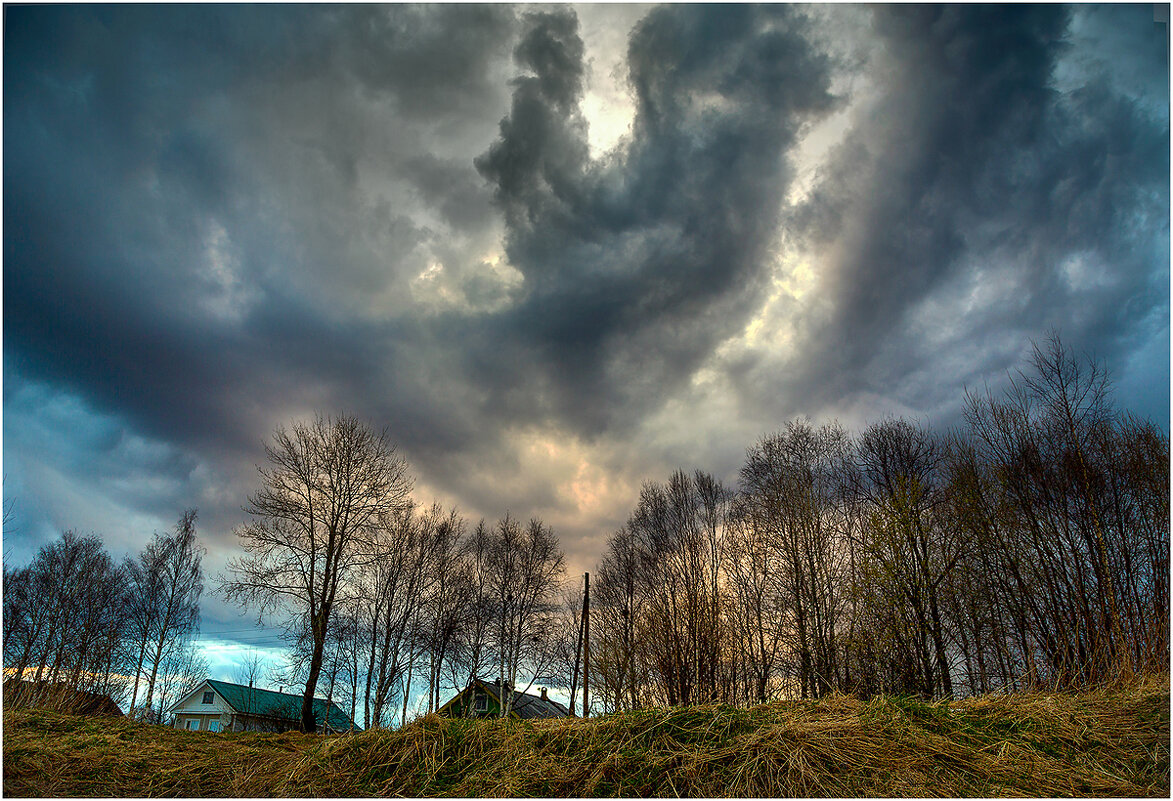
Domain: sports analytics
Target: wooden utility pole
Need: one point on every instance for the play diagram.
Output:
(586, 642)
(574, 672)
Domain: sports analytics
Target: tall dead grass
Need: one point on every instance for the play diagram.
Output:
(57, 696)
(1108, 742)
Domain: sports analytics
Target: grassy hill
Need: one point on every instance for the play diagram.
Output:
(1110, 742)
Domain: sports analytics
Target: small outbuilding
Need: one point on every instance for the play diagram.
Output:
(59, 696)
(482, 699)
(222, 706)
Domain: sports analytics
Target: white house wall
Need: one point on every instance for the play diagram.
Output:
(193, 706)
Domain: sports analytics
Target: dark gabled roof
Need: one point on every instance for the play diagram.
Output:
(255, 701)
(524, 705)
(533, 706)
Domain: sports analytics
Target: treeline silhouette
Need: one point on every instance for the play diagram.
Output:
(76, 621)
(381, 598)
(429, 606)
(1027, 548)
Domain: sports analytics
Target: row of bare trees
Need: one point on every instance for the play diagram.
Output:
(1030, 547)
(383, 598)
(74, 617)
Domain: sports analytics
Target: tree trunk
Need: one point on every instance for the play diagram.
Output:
(155, 660)
(311, 684)
(406, 693)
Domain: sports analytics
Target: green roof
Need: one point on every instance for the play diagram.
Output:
(255, 701)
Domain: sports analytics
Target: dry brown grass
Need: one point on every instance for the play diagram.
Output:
(58, 697)
(1109, 742)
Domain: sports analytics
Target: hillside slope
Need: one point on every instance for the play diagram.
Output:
(1112, 742)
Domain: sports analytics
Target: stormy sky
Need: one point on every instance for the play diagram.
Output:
(555, 250)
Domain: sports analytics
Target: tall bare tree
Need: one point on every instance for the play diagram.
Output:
(757, 606)
(446, 600)
(911, 543)
(392, 584)
(525, 568)
(64, 617)
(659, 597)
(330, 484)
(183, 667)
(1030, 547)
(791, 488)
(166, 582)
(619, 599)
(471, 652)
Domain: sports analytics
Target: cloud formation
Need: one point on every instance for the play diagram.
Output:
(637, 264)
(992, 180)
(217, 219)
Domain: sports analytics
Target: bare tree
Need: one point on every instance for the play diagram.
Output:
(471, 646)
(330, 484)
(567, 642)
(757, 601)
(166, 584)
(524, 568)
(27, 613)
(64, 620)
(446, 601)
(392, 584)
(182, 668)
(619, 596)
(249, 671)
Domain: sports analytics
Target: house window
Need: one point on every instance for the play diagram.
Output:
(193, 725)
(482, 703)
(207, 697)
(214, 725)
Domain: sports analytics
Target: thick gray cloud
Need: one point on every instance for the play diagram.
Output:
(218, 218)
(186, 211)
(212, 220)
(977, 202)
(638, 264)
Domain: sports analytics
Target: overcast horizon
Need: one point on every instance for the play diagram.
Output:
(556, 251)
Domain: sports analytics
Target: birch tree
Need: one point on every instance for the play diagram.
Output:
(166, 584)
(525, 570)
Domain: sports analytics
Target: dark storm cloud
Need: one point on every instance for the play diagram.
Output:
(979, 201)
(425, 57)
(60, 459)
(129, 136)
(219, 217)
(638, 264)
(211, 216)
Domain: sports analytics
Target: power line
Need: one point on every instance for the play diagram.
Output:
(261, 642)
(273, 632)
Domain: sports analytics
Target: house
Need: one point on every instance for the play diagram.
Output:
(222, 706)
(482, 699)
